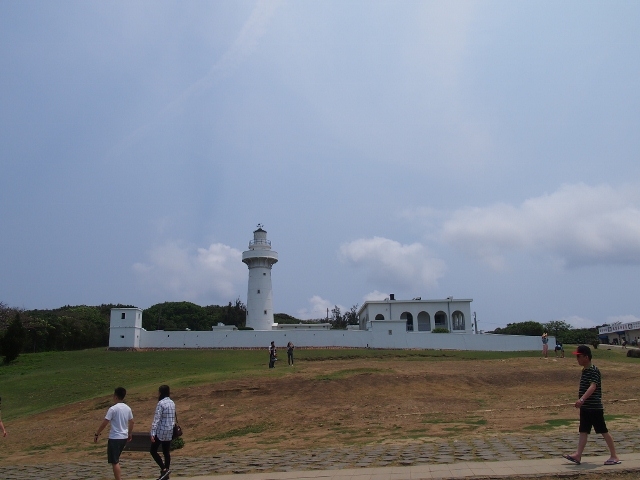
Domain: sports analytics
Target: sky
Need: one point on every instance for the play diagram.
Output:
(481, 150)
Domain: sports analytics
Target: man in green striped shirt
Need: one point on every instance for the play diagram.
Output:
(591, 408)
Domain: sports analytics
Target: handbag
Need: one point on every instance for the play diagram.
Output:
(177, 429)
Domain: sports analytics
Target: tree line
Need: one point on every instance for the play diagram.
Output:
(563, 332)
(79, 327)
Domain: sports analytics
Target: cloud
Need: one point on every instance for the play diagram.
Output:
(245, 43)
(392, 264)
(193, 274)
(374, 296)
(579, 322)
(577, 225)
(243, 46)
(318, 308)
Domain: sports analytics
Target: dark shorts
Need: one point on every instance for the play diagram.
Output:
(592, 418)
(114, 449)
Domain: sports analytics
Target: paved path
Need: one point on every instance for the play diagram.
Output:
(453, 458)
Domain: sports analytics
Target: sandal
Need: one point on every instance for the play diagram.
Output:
(571, 459)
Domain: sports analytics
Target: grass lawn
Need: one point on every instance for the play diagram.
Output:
(40, 381)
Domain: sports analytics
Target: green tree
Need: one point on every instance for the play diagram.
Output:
(351, 317)
(586, 336)
(283, 318)
(13, 340)
(337, 320)
(235, 314)
(558, 328)
(529, 328)
(176, 316)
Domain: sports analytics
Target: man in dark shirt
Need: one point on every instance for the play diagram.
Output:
(591, 408)
(273, 356)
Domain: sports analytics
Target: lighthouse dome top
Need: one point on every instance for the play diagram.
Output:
(260, 239)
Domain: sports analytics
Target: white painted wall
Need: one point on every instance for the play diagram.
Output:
(383, 334)
(125, 328)
(379, 337)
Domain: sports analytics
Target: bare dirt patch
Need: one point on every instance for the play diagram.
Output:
(345, 402)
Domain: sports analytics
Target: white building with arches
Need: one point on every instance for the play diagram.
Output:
(418, 315)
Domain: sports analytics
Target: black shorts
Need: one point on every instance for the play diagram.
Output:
(115, 446)
(592, 418)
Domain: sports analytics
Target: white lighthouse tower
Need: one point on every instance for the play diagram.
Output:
(259, 258)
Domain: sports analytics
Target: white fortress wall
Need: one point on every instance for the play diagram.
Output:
(376, 338)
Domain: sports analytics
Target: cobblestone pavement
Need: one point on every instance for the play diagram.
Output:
(499, 448)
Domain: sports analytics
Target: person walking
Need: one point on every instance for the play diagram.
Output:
(121, 418)
(591, 408)
(290, 353)
(162, 430)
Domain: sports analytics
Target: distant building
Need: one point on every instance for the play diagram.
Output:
(618, 332)
(419, 315)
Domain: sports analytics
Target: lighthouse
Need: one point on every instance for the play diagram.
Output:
(259, 258)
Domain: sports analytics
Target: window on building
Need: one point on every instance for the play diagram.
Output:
(379, 317)
(258, 290)
(441, 319)
(424, 322)
(123, 316)
(409, 320)
(265, 312)
(457, 319)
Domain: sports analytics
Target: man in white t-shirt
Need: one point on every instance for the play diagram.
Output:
(121, 419)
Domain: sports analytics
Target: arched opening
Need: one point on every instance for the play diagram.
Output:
(409, 318)
(457, 319)
(424, 322)
(440, 319)
(379, 317)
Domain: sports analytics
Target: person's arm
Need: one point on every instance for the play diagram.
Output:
(104, 423)
(130, 430)
(587, 394)
(156, 420)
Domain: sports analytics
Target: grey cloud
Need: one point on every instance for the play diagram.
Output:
(578, 225)
(213, 274)
(392, 264)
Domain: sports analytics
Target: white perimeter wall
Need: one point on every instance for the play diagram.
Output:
(377, 338)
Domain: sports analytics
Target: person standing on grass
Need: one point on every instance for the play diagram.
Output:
(290, 353)
(273, 355)
(4, 431)
(121, 418)
(591, 408)
(545, 344)
(162, 430)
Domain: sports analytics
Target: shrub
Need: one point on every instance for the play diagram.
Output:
(177, 443)
(440, 330)
(633, 352)
(13, 340)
